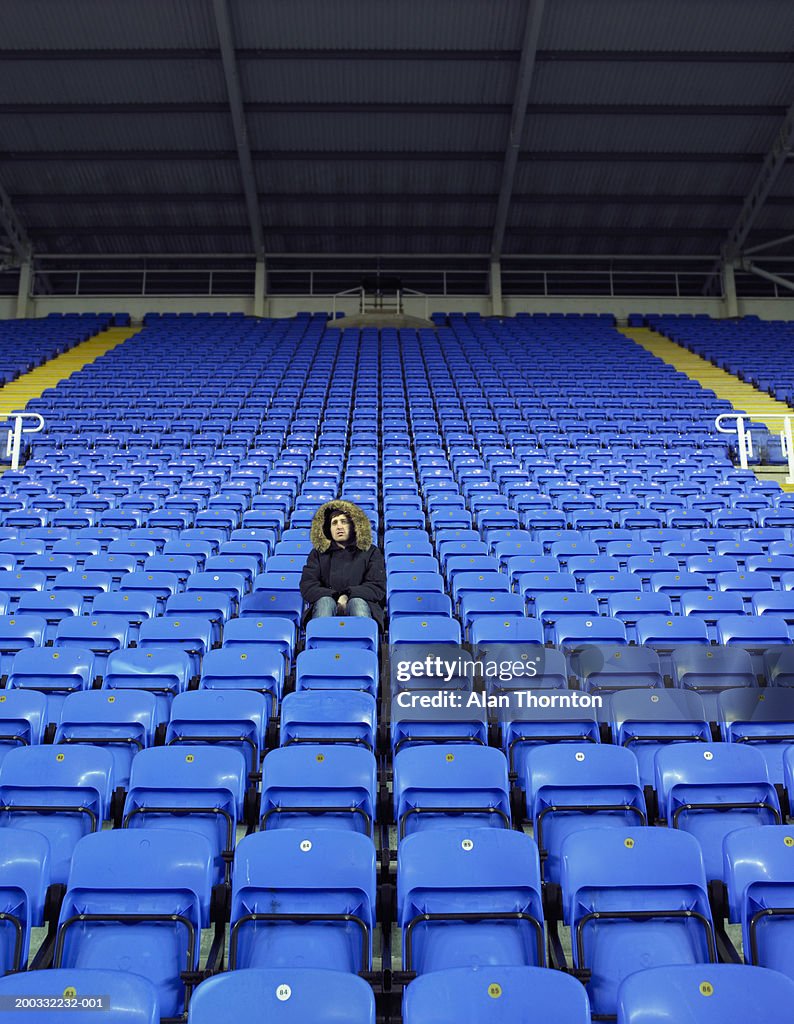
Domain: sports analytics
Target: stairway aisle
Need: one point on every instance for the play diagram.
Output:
(15, 395)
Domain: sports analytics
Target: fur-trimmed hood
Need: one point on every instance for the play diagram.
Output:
(358, 517)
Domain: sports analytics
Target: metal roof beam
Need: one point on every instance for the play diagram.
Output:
(784, 282)
(773, 163)
(423, 54)
(384, 155)
(526, 68)
(784, 240)
(397, 198)
(226, 40)
(427, 228)
(754, 201)
(419, 107)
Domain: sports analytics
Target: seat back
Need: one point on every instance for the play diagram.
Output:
(710, 789)
(443, 786)
(116, 876)
(228, 718)
(323, 716)
(291, 993)
(283, 873)
(469, 897)
(198, 788)
(128, 998)
(570, 787)
(318, 786)
(24, 878)
(633, 898)
(122, 722)
(61, 794)
(23, 717)
(643, 721)
(339, 668)
(735, 993)
(464, 995)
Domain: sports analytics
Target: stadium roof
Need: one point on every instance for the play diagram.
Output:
(369, 126)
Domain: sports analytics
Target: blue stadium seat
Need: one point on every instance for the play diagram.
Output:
(469, 898)
(23, 719)
(633, 899)
(269, 630)
(493, 630)
(323, 716)
(214, 606)
(569, 787)
(162, 672)
(61, 794)
(443, 786)
(759, 876)
(55, 673)
(123, 722)
(200, 788)
(521, 666)
(415, 629)
(278, 603)
(315, 785)
(303, 898)
(134, 607)
(100, 634)
(540, 717)
(235, 719)
(127, 997)
(710, 789)
(717, 994)
(778, 666)
(191, 634)
(245, 667)
(24, 881)
(17, 633)
(327, 632)
(113, 876)
(751, 631)
(498, 995)
(578, 630)
(283, 993)
(643, 721)
(709, 670)
(606, 667)
(412, 604)
(339, 669)
(762, 718)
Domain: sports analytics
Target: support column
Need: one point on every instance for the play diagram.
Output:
(730, 303)
(260, 287)
(496, 288)
(23, 293)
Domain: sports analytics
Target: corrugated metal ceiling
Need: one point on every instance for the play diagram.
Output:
(646, 127)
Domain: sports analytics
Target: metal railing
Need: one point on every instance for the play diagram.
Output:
(745, 438)
(350, 291)
(15, 432)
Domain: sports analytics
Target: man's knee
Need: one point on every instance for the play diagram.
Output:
(324, 607)
(358, 606)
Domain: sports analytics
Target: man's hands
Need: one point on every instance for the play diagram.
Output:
(341, 604)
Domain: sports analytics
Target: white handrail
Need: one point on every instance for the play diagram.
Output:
(746, 441)
(412, 291)
(350, 291)
(14, 440)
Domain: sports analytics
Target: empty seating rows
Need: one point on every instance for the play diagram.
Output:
(525, 494)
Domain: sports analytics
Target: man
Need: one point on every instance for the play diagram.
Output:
(345, 573)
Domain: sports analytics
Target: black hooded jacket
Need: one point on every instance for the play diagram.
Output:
(357, 570)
